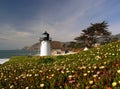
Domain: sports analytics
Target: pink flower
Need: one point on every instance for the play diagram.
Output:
(109, 88)
(71, 81)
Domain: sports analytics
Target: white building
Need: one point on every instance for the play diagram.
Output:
(45, 49)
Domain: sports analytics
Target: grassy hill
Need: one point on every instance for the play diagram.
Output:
(97, 68)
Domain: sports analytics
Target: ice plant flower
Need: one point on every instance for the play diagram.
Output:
(62, 72)
(42, 85)
(36, 75)
(29, 75)
(89, 67)
(73, 71)
(40, 71)
(85, 74)
(97, 57)
(87, 87)
(118, 71)
(99, 78)
(114, 84)
(11, 86)
(84, 67)
(98, 72)
(71, 81)
(95, 76)
(27, 88)
(105, 62)
(95, 67)
(102, 67)
(108, 88)
(119, 82)
(52, 75)
(67, 71)
(91, 82)
(70, 76)
(88, 71)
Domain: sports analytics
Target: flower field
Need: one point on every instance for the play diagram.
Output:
(97, 68)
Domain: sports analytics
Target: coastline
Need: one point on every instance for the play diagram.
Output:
(3, 60)
(5, 55)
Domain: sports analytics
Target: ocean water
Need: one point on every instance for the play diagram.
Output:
(6, 54)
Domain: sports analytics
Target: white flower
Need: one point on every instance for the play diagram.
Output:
(84, 67)
(119, 82)
(16, 78)
(52, 75)
(97, 57)
(102, 67)
(72, 71)
(105, 62)
(91, 82)
(89, 67)
(88, 71)
(36, 74)
(23, 76)
(98, 72)
(80, 68)
(85, 74)
(58, 69)
(47, 77)
(114, 84)
(95, 67)
(66, 68)
(67, 71)
(113, 54)
(95, 76)
(29, 75)
(27, 88)
(99, 78)
(11, 86)
(4, 79)
(14, 70)
(40, 71)
(118, 71)
(42, 85)
(70, 76)
(62, 72)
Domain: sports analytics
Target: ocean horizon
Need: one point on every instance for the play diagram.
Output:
(6, 54)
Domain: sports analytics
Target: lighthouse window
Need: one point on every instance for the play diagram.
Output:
(44, 35)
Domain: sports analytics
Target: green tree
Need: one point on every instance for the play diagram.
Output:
(90, 35)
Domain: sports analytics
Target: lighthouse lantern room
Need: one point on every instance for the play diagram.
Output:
(45, 49)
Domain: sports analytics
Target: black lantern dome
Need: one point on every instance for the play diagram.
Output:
(45, 37)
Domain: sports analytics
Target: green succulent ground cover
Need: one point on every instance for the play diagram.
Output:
(97, 68)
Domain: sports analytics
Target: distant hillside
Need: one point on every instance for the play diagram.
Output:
(54, 45)
(118, 36)
(61, 45)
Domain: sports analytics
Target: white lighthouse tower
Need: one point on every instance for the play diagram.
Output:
(45, 49)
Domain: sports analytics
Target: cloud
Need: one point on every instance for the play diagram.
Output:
(2, 38)
(13, 38)
(115, 28)
(73, 20)
(63, 21)
(68, 27)
(10, 32)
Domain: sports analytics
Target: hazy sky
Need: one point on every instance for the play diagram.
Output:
(23, 21)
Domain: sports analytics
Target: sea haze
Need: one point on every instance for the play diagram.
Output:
(10, 53)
